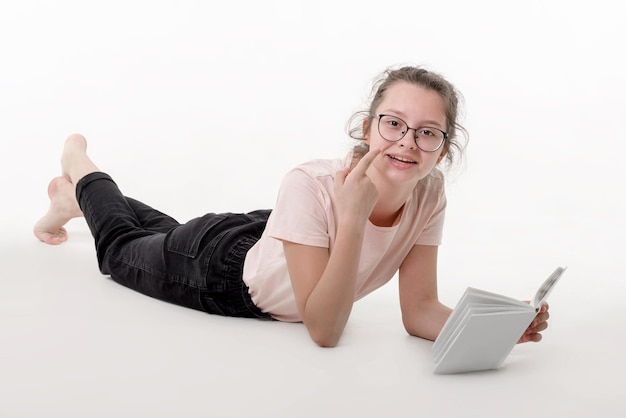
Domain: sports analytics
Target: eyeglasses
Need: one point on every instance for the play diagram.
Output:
(393, 129)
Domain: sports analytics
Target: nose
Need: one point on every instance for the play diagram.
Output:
(408, 140)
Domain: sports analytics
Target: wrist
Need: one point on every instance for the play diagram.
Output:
(350, 228)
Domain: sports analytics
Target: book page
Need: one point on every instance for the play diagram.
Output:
(471, 310)
(475, 297)
(546, 287)
(484, 342)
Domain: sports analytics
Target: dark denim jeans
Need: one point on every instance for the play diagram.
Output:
(198, 264)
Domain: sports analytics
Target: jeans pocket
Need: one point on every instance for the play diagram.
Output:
(186, 239)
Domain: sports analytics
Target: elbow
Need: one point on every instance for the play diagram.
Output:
(324, 335)
(325, 343)
(324, 339)
(325, 330)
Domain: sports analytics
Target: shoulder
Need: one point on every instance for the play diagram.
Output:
(304, 206)
(426, 210)
(319, 173)
(319, 167)
(433, 183)
(429, 196)
(311, 179)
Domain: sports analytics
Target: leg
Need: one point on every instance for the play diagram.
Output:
(197, 265)
(173, 266)
(193, 265)
(150, 218)
(63, 205)
(130, 253)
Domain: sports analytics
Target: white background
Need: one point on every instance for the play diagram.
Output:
(203, 106)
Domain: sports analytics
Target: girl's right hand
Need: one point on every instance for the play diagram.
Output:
(355, 193)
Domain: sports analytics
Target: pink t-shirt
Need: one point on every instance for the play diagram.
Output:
(305, 214)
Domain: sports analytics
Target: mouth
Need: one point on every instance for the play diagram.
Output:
(401, 159)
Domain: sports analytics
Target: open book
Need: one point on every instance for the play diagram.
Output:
(484, 327)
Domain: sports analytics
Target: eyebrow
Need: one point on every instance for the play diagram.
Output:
(426, 122)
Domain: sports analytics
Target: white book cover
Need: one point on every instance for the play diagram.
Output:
(484, 327)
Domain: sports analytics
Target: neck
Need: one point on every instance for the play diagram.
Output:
(390, 203)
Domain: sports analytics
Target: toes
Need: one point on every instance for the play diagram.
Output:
(55, 240)
(52, 238)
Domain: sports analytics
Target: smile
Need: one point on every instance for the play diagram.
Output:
(400, 159)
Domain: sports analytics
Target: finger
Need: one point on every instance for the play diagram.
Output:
(341, 174)
(367, 160)
(541, 317)
(538, 321)
(536, 327)
(340, 177)
(535, 337)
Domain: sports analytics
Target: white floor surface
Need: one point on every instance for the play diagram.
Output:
(76, 344)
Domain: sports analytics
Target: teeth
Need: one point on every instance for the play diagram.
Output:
(404, 160)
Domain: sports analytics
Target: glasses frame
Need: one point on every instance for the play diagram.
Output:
(415, 137)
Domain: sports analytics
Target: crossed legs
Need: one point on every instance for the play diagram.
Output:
(197, 264)
(75, 164)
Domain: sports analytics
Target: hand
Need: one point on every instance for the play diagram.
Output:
(539, 324)
(356, 194)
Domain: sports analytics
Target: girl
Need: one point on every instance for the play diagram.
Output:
(340, 228)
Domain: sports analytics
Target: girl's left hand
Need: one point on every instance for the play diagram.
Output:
(539, 324)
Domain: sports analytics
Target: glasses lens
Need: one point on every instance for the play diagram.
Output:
(391, 128)
(429, 139)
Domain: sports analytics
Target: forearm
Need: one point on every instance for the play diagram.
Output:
(428, 320)
(328, 306)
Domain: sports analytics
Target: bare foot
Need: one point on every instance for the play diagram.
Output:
(75, 163)
(63, 207)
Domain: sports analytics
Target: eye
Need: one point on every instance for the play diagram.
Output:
(393, 123)
(427, 132)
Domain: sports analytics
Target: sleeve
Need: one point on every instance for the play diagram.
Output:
(433, 230)
(301, 211)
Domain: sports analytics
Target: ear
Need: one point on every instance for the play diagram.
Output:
(366, 130)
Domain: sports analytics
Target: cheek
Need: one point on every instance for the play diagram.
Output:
(430, 159)
(442, 155)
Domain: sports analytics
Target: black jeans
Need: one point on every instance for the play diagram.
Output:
(198, 264)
